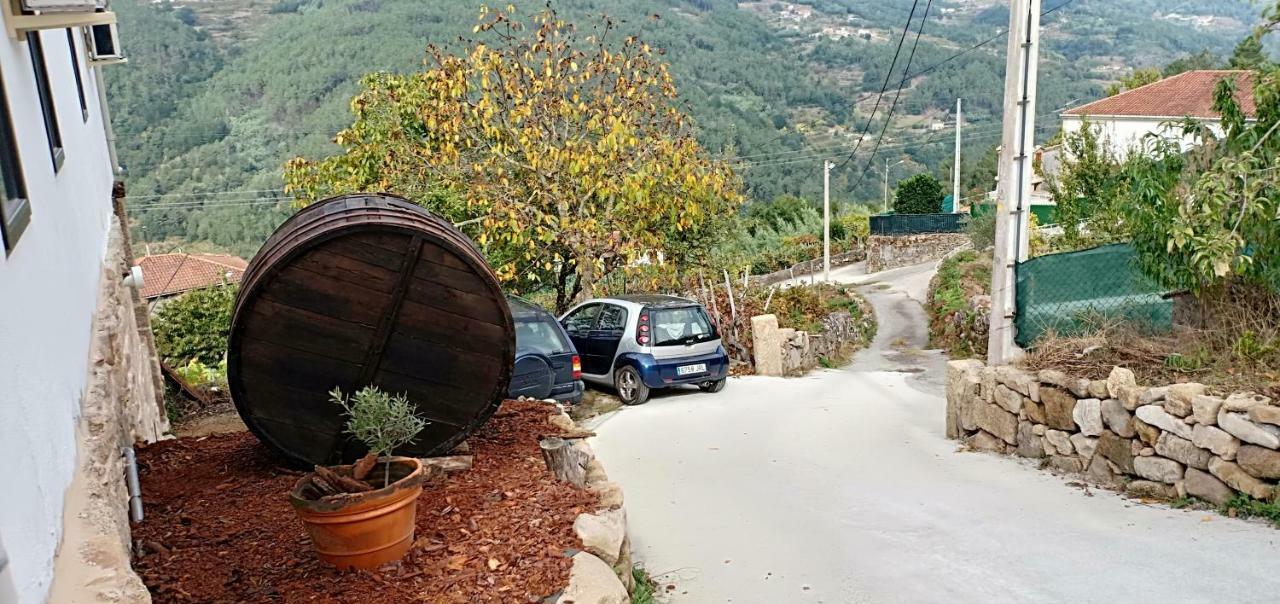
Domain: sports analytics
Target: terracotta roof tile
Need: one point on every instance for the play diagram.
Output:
(1188, 94)
(168, 274)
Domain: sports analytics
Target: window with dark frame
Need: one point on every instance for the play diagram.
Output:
(15, 210)
(46, 100)
(75, 68)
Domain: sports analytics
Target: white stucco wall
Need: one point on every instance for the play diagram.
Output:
(48, 294)
(1124, 134)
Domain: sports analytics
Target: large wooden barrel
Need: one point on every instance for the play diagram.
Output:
(367, 290)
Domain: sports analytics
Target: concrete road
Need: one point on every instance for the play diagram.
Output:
(839, 487)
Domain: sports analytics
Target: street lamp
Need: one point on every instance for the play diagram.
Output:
(886, 181)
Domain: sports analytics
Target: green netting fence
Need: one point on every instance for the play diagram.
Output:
(916, 224)
(1069, 292)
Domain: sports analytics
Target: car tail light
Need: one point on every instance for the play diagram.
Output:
(642, 329)
(577, 367)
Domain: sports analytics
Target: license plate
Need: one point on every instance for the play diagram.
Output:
(691, 369)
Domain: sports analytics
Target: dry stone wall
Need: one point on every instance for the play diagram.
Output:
(1165, 442)
(780, 351)
(602, 571)
(809, 267)
(885, 252)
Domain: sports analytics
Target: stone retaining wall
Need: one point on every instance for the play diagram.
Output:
(809, 267)
(121, 406)
(784, 351)
(602, 571)
(1160, 442)
(893, 251)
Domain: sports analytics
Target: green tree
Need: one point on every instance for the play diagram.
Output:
(920, 194)
(1202, 219)
(1135, 79)
(1086, 189)
(195, 326)
(1248, 54)
(1205, 59)
(571, 155)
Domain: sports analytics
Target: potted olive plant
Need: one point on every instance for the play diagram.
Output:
(362, 515)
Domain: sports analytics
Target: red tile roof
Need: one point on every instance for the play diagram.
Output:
(168, 274)
(1188, 94)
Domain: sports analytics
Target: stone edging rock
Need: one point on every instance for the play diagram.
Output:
(602, 571)
(1159, 442)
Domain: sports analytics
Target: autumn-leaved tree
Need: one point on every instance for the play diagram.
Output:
(565, 153)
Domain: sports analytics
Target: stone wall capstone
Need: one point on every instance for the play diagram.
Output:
(1165, 441)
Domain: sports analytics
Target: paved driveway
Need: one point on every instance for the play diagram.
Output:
(839, 487)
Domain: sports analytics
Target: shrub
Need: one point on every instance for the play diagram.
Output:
(981, 229)
(195, 325)
(855, 225)
(920, 194)
(383, 422)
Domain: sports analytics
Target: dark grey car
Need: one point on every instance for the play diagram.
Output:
(547, 364)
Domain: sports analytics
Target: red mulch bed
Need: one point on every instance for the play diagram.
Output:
(219, 527)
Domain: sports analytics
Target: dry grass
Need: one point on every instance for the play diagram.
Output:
(1213, 357)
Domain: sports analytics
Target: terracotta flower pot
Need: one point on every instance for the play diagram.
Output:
(363, 530)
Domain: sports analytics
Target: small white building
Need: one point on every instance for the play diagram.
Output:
(77, 365)
(1158, 108)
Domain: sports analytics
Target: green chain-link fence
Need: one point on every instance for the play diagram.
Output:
(1068, 292)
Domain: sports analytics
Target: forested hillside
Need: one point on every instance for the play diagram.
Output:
(219, 93)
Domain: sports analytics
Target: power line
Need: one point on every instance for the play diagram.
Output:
(888, 120)
(202, 194)
(991, 128)
(888, 76)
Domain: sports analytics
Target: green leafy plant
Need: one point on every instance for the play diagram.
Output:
(195, 325)
(199, 374)
(1086, 189)
(645, 589)
(1247, 507)
(981, 229)
(920, 194)
(383, 422)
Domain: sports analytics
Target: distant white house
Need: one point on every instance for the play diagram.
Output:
(78, 378)
(1124, 119)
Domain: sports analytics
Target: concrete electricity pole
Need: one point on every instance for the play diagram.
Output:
(886, 181)
(1014, 188)
(955, 177)
(826, 220)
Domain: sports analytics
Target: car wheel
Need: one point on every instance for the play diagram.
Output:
(631, 388)
(713, 387)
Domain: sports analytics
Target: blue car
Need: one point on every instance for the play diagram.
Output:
(637, 344)
(547, 364)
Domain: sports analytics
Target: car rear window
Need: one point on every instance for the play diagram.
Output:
(684, 325)
(540, 336)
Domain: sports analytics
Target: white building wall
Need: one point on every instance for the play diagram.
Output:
(1123, 134)
(48, 295)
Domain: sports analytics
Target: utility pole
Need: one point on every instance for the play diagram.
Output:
(1014, 188)
(886, 185)
(955, 177)
(826, 220)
